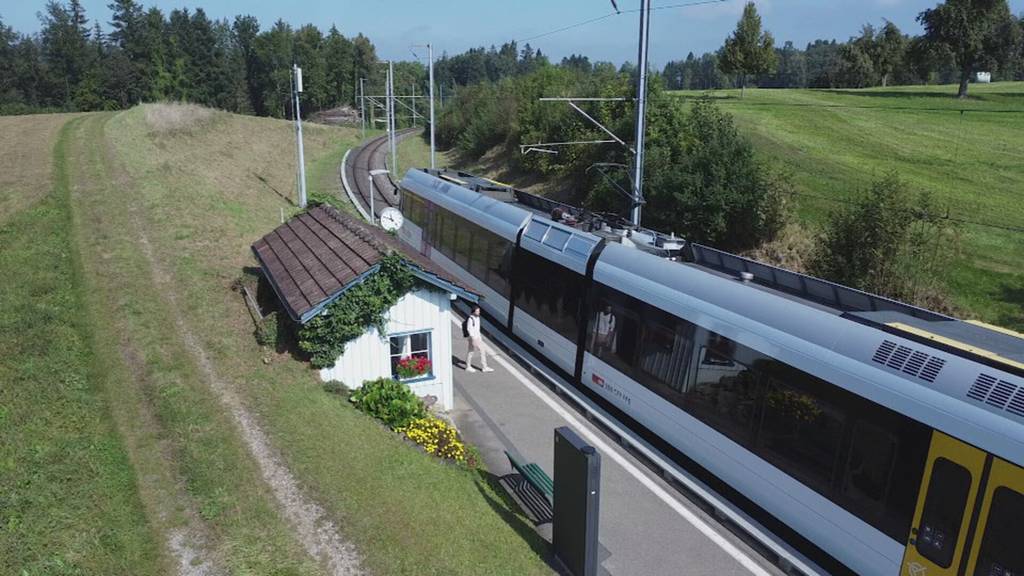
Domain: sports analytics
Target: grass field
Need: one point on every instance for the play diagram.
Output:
(68, 497)
(118, 454)
(835, 142)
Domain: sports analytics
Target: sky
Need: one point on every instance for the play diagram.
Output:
(456, 25)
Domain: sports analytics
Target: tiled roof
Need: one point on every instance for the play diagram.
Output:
(315, 256)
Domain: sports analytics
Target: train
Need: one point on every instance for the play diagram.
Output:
(887, 439)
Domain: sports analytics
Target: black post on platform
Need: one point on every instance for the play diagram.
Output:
(577, 496)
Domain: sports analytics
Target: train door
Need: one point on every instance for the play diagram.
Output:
(952, 480)
(998, 549)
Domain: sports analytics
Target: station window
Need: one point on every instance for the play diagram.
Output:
(416, 345)
(1002, 550)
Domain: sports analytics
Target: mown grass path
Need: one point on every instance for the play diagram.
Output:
(204, 489)
(69, 497)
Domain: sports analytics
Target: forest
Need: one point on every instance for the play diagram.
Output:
(145, 55)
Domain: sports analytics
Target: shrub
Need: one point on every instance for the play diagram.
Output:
(437, 437)
(267, 330)
(891, 242)
(336, 387)
(390, 401)
(324, 337)
(705, 182)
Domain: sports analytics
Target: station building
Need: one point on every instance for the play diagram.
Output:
(315, 257)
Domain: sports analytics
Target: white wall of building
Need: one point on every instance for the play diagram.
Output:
(369, 356)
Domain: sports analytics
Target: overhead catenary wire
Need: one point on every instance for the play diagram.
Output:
(616, 13)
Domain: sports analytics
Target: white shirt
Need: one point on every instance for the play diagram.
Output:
(473, 326)
(605, 323)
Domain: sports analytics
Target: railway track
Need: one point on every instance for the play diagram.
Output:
(358, 164)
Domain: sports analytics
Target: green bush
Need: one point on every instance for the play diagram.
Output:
(390, 401)
(347, 318)
(891, 242)
(336, 387)
(267, 330)
(704, 182)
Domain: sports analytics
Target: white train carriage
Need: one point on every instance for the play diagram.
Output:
(881, 435)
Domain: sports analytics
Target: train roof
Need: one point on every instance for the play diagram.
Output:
(980, 342)
(499, 217)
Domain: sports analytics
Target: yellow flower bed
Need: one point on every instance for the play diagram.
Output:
(437, 437)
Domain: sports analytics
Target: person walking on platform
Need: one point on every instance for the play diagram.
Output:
(471, 330)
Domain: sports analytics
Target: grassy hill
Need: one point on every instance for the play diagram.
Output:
(968, 154)
(119, 326)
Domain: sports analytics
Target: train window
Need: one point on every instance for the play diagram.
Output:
(943, 513)
(725, 393)
(450, 226)
(463, 242)
(664, 351)
(615, 329)
(434, 217)
(442, 241)
(499, 264)
(801, 431)
(414, 209)
(549, 292)
(478, 253)
(556, 238)
(1002, 550)
(869, 465)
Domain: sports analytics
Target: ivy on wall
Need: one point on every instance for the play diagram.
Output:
(364, 305)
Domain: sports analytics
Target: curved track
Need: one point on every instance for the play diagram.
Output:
(372, 156)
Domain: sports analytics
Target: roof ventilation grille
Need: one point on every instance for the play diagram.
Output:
(981, 387)
(931, 369)
(884, 351)
(915, 363)
(899, 357)
(908, 360)
(998, 393)
(1001, 394)
(1016, 405)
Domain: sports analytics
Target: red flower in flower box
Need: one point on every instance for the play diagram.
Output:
(413, 367)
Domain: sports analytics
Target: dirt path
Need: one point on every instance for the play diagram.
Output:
(169, 507)
(317, 534)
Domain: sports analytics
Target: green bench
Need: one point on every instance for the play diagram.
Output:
(533, 476)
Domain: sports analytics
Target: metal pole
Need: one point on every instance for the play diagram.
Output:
(641, 112)
(394, 150)
(373, 217)
(430, 56)
(413, 105)
(362, 106)
(298, 131)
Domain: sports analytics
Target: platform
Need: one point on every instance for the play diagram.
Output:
(646, 526)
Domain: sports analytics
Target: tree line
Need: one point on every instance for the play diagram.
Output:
(147, 55)
(961, 37)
